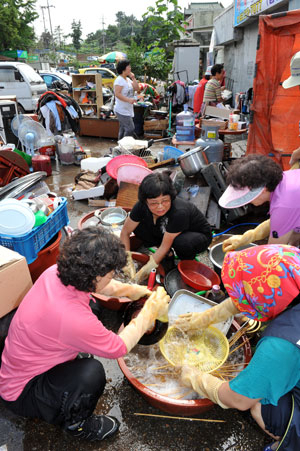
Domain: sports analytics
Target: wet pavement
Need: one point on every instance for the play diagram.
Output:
(238, 432)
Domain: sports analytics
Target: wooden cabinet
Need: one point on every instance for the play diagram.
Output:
(87, 91)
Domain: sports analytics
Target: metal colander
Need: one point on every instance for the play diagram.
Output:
(207, 349)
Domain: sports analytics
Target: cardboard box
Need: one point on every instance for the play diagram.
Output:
(96, 191)
(222, 113)
(156, 124)
(15, 279)
(214, 122)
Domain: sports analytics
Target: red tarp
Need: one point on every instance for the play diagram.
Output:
(274, 127)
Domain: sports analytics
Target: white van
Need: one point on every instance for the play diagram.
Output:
(19, 79)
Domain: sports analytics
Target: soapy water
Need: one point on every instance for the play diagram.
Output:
(150, 368)
(113, 218)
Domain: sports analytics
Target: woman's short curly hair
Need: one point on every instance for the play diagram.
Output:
(155, 185)
(87, 254)
(254, 171)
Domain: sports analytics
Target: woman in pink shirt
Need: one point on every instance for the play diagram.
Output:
(40, 374)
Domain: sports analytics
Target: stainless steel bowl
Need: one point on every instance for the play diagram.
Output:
(111, 216)
(193, 161)
(216, 255)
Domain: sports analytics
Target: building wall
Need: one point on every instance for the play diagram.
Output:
(186, 58)
(239, 47)
(239, 59)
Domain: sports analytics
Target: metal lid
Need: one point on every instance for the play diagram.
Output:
(190, 152)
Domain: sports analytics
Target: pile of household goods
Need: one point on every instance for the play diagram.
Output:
(31, 221)
(199, 175)
(37, 145)
(156, 124)
(58, 112)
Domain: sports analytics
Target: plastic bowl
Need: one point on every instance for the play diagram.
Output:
(132, 173)
(114, 164)
(198, 275)
(177, 406)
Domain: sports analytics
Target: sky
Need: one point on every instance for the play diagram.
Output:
(91, 13)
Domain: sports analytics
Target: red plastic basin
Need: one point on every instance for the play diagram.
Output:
(173, 406)
(197, 275)
(116, 303)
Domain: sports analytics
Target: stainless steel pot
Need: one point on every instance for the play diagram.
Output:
(193, 161)
(217, 255)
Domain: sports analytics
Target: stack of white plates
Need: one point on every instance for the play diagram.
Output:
(15, 217)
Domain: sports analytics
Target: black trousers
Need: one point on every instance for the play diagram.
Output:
(63, 395)
(186, 245)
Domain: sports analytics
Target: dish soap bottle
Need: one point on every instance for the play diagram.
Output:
(216, 294)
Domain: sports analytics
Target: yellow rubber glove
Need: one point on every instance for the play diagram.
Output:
(203, 383)
(119, 289)
(155, 306)
(294, 161)
(201, 320)
(129, 269)
(144, 272)
(235, 241)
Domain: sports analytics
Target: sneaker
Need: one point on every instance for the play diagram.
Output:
(272, 447)
(95, 427)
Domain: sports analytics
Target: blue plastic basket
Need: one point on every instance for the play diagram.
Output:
(172, 152)
(32, 242)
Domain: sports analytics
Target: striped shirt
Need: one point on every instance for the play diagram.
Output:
(212, 91)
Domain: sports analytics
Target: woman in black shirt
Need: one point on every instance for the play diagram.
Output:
(160, 219)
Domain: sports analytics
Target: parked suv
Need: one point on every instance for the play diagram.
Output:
(21, 80)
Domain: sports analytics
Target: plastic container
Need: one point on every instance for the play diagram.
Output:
(216, 294)
(114, 164)
(171, 152)
(24, 155)
(65, 150)
(46, 257)
(48, 147)
(32, 242)
(132, 173)
(79, 155)
(184, 407)
(185, 125)
(42, 163)
(198, 275)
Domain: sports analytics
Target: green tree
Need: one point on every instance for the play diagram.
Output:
(135, 54)
(128, 28)
(15, 19)
(165, 21)
(157, 64)
(46, 40)
(76, 34)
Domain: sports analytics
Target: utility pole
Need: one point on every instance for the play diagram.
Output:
(42, 8)
(48, 7)
(103, 34)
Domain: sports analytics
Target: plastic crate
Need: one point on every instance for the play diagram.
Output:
(32, 242)
(171, 152)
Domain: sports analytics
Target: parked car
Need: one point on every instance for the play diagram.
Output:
(110, 66)
(108, 77)
(21, 80)
(57, 81)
